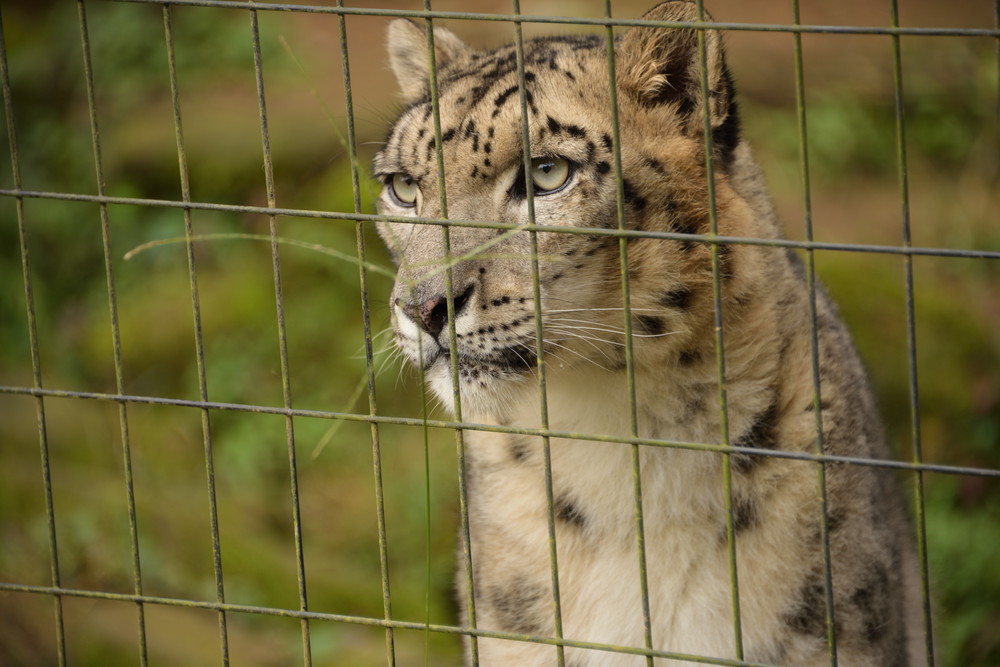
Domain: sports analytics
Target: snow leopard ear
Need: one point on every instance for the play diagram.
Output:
(663, 65)
(408, 55)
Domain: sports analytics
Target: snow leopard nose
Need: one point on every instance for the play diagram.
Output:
(432, 314)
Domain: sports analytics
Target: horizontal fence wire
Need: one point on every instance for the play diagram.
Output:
(458, 222)
(584, 21)
(225, 607)
(492, 428)
(274, 213)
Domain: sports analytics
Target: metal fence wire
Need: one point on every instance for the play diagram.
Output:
(17, 588)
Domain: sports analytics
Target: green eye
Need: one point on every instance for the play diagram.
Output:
(404, 190)
(549, 174)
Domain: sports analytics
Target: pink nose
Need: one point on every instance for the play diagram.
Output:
(432, 314)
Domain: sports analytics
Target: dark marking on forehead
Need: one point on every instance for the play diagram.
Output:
(573, 41)
(679, 298)
(502, 97)
(602, 167)
(654, 164)
(606, 142)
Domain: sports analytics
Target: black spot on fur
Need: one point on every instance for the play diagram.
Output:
(603, 167)
(448, 136)
(632, 198)
(745, 513)
(520, 448)
(726, 270)
(872, 602)
(566, 510)
(807, 615)
(515, 605)
(649, 325)
(517, 357)
(606, 142)
(502, 97)
(834, 520)
(554, 126)
(679, 298)
(761, 431)
(654, 164)
(760, 435)
(689, 357)
(576, 131)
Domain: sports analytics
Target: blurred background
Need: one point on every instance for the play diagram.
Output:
(951, 103)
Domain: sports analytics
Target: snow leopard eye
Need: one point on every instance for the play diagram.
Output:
(549, 174)
(403, 190)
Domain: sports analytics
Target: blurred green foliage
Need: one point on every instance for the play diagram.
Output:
(952, 136)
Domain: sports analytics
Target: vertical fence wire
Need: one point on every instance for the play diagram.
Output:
(206, 423)
(911, 338)
(352, 148)
(720, 350)
(36, 364)
(286, 387)
(640, 529)
(463, 490)
(817, 405)
(115, 332)
(536, 293)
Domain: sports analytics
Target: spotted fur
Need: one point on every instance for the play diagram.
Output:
(775, 507)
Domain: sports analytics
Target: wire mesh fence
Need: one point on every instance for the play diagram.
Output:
(142, 462)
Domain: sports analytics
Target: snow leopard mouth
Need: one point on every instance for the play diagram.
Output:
(516, 358)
